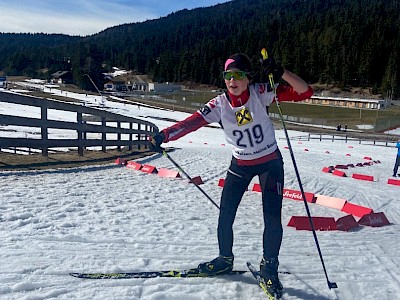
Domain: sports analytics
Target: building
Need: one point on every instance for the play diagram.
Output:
(349, 102)
(131, 82)
(163, 87)
(62, 77)
(126, 81)
(3, 82)
(114, 85)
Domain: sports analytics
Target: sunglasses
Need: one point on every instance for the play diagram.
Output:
(236, 75)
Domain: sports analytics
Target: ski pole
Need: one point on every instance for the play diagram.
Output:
(162, 150)
(271, 82)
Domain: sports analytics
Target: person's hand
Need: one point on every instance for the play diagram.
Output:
(156, 141)
(270, 66)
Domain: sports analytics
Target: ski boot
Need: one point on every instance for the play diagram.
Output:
(218, 266)
(269, 272)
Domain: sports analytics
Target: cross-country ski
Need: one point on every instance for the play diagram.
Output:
(147, 274)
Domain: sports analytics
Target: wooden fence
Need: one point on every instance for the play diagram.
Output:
(92, 128)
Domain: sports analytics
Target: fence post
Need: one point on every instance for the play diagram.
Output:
(130, 135)
(79, 131)
(138, 137)
(119, 135)
(103, 134)
(43, 129)
(84, 132)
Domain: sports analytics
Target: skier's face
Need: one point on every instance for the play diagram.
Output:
(236, 86)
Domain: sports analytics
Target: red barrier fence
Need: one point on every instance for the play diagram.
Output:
(356, 210)
(346, 223)
(149, 169)
(363, 177)
(162, 172)
(332, 202)
(320, 223)
(374, 220)
(393, 182)
(133, 165)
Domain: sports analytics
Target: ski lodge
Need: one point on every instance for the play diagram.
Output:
(349, 102)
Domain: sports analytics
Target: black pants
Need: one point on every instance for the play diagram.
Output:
(271, 178)
(396, 165)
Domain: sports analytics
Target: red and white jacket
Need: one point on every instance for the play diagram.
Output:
(247, 126)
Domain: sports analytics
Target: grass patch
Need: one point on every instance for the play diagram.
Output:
(70, 159)
(379, 120)
(331, 116)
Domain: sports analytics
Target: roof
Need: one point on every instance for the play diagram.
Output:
(349, 99)
(59, 74)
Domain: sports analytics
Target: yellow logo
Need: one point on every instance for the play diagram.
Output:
(243, 116)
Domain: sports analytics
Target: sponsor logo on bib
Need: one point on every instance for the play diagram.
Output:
(243, 116)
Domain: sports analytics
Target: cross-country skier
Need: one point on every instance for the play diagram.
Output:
(242, 112)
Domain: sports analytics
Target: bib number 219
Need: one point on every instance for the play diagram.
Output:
(249, 137)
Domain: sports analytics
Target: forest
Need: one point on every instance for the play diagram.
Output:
(347, 43)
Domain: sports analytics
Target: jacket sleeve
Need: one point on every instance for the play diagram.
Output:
(182, 128)
(287, 93)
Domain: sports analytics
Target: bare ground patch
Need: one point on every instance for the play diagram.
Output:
(71, 159)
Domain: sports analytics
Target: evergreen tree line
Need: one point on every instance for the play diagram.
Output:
(341, 42)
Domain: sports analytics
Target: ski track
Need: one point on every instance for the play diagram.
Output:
(107, 251)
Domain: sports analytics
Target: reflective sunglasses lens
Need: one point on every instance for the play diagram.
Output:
(235, 75)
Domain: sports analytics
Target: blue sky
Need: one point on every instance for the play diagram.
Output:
(85, 17)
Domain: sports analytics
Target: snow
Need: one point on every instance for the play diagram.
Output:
(109, 218)
(365, 127)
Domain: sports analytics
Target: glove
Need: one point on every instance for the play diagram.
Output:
(156, 141)
(270, 66)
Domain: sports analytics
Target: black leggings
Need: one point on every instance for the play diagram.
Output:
(238, 178)
(396, 165)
